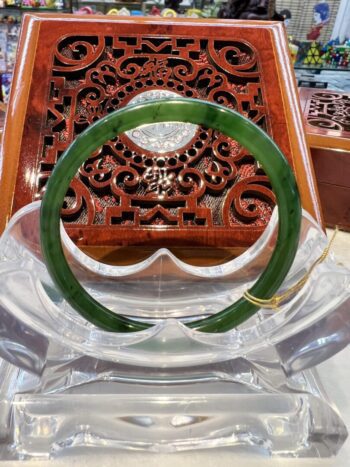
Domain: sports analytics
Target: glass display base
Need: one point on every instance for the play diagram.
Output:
(234, 404)
(68, 387)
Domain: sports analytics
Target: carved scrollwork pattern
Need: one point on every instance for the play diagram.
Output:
(210, 181)
(329, 110)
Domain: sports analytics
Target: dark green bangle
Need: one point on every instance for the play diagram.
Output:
(194, 111)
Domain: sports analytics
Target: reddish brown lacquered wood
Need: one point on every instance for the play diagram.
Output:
(336, 205)
(207, 193)
(327, 120)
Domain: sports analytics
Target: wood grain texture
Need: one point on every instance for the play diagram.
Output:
(336, 205)
(178, 196)
(327, 118)
(327, 121)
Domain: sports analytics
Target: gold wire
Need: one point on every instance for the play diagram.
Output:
(274, 302)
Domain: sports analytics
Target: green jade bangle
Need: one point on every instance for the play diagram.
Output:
(195, 111)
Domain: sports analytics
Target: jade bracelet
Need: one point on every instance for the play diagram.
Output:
(195, 111)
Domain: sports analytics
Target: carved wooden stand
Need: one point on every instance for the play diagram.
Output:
(327, 119)
(176, 186)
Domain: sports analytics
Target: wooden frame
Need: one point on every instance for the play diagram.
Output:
(327, 123)
(27, 116)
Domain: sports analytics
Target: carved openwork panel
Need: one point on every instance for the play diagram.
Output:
(168, 174)
(171, 184)
(329, 110)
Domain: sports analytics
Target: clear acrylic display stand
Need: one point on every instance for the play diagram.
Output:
(67, 386)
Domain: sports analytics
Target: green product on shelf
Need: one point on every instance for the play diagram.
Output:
(313, 55)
